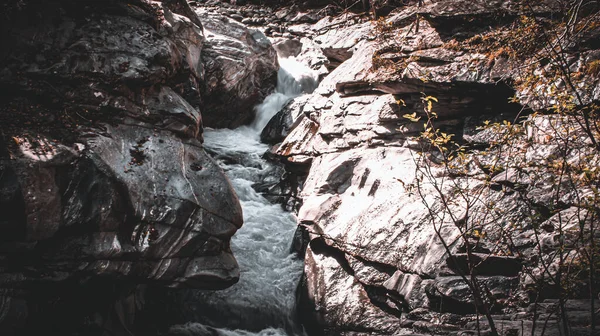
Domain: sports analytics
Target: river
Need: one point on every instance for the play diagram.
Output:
(263, 301)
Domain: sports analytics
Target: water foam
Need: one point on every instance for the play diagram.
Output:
(263, 301)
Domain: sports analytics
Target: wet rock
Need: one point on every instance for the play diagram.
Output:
(280, 125)
(288, 48)
(241, 69)
(103, 175)
(306, 132)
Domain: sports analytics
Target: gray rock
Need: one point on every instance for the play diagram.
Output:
(336, 301)
(280, 125)
(456, 289)
(411, 287)
(371, 191)
(288, 48)
(338, 36)
(241, 69)
(103, 175)
(359, 198)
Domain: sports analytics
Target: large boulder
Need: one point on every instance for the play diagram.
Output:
(334, 302)
(241, 70)
(104, 182)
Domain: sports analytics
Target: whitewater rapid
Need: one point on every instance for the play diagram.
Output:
(262, 303)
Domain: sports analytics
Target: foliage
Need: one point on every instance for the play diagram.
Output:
(593, 68)
(492, 196)
(520, 39)
(536, 176)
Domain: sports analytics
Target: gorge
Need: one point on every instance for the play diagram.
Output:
(302, 168)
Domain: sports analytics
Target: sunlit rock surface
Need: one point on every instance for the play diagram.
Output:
(375, 263)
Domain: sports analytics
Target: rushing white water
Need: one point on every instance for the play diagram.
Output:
(262, 303)
(293, 79)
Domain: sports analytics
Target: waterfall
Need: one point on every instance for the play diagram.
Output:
(293, 80)
(263, 301)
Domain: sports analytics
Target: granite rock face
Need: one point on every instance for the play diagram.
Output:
(376, 262)
(104, 182)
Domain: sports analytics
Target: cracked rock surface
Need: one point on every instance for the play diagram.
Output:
(375, 263)
(104, 182)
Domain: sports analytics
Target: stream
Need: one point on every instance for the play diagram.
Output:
(263, 301)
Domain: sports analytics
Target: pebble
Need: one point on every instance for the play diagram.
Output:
(236, 17)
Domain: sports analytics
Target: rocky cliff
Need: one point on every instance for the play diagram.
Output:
(104, 182)
(397, 230)
(444, 172)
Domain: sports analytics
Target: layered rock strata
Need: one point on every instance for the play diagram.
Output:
(382, 258)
